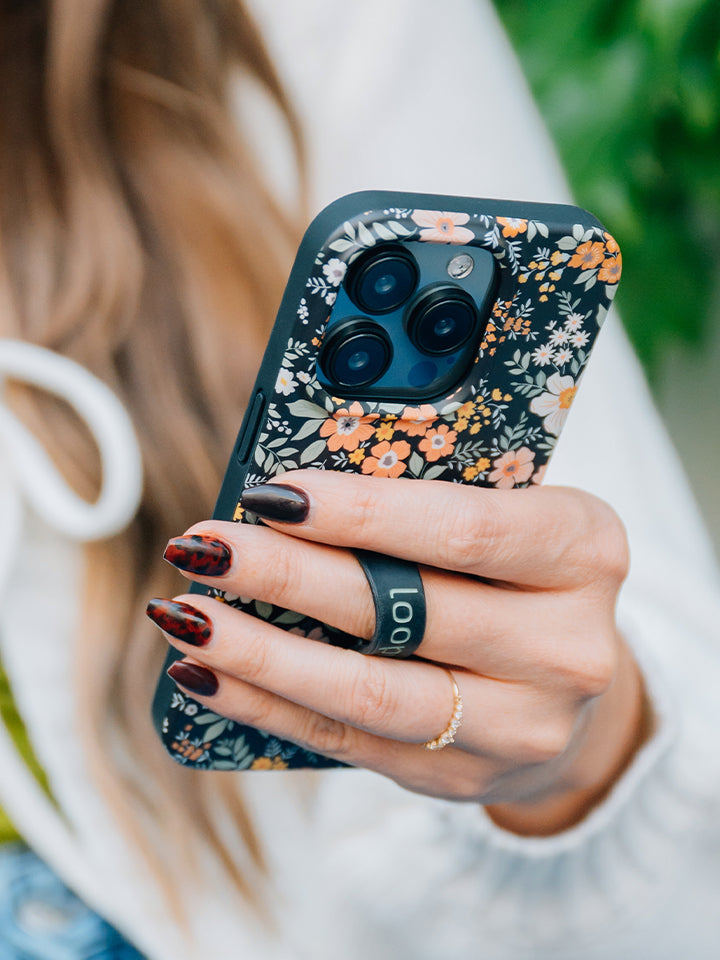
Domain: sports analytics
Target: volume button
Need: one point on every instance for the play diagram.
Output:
(250, 433)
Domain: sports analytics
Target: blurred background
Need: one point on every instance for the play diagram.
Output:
(630, 90)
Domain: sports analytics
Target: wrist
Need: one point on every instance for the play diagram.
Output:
(619, 723)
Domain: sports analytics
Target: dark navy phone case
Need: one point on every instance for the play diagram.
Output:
(557, 271)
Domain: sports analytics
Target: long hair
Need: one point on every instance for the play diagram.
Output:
(138, 237)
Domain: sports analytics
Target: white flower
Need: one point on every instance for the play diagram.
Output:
(563, 356)
(285, 382)
(573, 322)
(543, 355)
(558, 337)
(302, 310)
(580, 338)
(335, 270)
(303, 376)
(330, 298)
(554, 405)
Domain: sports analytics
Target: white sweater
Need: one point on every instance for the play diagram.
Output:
(414, 95)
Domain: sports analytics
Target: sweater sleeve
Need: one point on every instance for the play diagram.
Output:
(402, 96)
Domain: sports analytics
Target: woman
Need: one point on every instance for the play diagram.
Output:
(136, 231)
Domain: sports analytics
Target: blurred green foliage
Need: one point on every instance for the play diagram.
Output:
(630, 90)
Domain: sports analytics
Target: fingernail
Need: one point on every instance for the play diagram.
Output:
(181, 620)
(277, 501)
(205, 556)
(194, 678)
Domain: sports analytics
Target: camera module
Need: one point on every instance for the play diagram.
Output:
(357, 353)
(442, 319)
(382, 280)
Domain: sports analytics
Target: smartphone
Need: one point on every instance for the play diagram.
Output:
(431, 337)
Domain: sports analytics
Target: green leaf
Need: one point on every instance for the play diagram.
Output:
(416, 463)
(383, 232)
(205, 718)
(312, 452)
(364, 235)
(307, 429)
(435, 471)
(304, 409)
(341, 245)
(289, 617)
(263, 609)
(213, 732)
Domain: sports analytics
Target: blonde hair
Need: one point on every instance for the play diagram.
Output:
(137, 237)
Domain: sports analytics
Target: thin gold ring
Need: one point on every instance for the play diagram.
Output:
(448, 734)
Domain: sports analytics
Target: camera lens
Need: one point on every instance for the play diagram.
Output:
(442, 320)
(382, 280)
(357, 352)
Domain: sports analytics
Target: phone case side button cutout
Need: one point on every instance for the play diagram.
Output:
(253, 425)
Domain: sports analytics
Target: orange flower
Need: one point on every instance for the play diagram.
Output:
(387, 459)
(442, 227)
(539, 474)
(611, 269)
(512, 467)
(588, 255)
(348, 428)
(611, 244)
(438, 443)
(414, 421)
(512, 226)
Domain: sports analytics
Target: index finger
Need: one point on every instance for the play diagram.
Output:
(549, 537)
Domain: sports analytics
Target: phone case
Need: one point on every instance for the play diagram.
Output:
(558, 273)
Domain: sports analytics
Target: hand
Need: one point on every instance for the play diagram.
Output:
(521, 588)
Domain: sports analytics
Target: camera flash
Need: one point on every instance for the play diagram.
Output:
(460, 266)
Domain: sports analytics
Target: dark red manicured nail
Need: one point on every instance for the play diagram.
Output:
(194, 678)
(181, 621)
(206, 556)
(277, 501)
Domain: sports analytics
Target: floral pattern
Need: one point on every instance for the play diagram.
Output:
(497, 429)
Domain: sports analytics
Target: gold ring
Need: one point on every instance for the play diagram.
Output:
(448, 734)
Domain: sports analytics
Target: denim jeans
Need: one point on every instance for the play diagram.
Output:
(40, 919)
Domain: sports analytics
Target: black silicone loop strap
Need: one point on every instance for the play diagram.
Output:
(399, 599)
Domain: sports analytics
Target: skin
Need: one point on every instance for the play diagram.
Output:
(521, 588)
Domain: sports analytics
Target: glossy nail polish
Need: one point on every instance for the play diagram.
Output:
(194, 678)
(205, 556)
(181, 620)
(277, 501)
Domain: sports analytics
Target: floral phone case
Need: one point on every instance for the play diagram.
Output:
(557, 270)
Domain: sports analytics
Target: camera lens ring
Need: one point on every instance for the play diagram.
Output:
(442, 319)
(356, 353)
(382, 279)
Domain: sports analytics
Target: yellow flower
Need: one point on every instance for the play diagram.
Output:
(523, 278)
(469, 473)
(239, 511)
(482, 464)
(508, 396)
(269, 763)
(475, 428)
(460, 424)
(554, 274)
(466, 409)
(357, 456)
(497, 394)
(385, 431)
